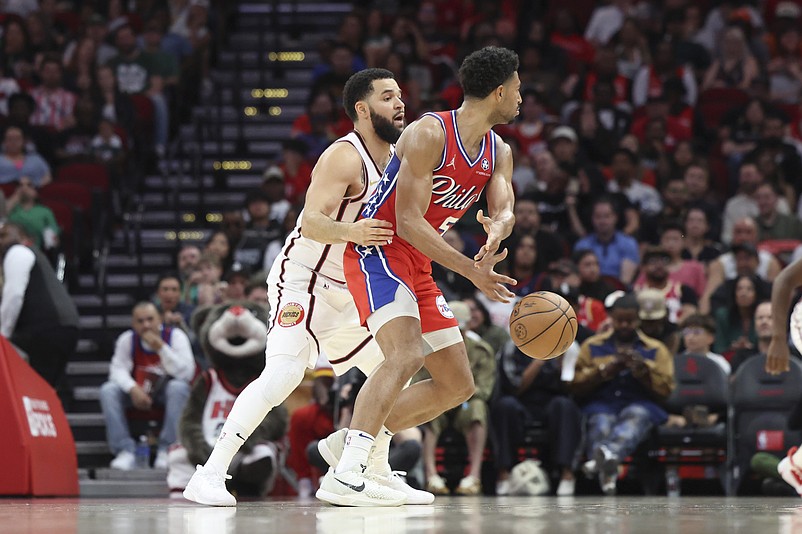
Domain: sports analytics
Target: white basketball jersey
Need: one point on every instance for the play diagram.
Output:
(218, 404)
(327, 260)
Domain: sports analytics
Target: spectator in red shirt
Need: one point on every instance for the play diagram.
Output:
(54, 104)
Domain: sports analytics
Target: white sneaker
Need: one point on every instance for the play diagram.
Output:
(124, 461)
(161, 460)
(395, 480)
(331, 448)
(353, 488)
(566, 488)
(503, 487)
(207, 486)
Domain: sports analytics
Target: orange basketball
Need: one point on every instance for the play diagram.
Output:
(543, 325)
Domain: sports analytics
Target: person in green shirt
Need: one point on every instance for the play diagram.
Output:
(38, 220)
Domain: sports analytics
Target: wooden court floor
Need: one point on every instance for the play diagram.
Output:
(471, 515)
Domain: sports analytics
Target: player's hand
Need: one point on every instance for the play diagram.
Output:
(371, 232)
(140, 399)
(490, 282)
(493, 230)
(777, 357)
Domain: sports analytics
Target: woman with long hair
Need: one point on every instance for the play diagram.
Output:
(735, 325)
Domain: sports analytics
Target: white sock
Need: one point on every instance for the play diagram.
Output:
(355, 454)
(380, 457)
(232, 437)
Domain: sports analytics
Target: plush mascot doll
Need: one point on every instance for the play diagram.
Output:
(233, 340)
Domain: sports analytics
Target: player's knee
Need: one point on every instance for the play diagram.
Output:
(282, 374)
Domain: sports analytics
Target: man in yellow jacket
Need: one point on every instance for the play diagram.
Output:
(622, 378)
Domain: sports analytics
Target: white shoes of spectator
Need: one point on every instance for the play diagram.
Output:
(207, 486)
(331, 449)
(305, 488)
(161, 460)
(566, 488)
(354, 488)
(607, 465)
(503, 487)
(124, 461)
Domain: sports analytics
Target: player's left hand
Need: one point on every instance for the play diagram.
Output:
(493, 230)
(777, 357)
(490, 282)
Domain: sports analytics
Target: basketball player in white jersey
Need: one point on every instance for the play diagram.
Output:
(310, 306)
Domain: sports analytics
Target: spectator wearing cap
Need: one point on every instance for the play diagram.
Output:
(260, 232)
(621, 378)
(743, 203)
(470, 418)
(273, 185)
(742, 259)
(654, 321)
(533, 390)
(297, 171)
(698, 335)
(655, 274)
(771, 224)
(617, 252)
(625, 171)
(735, 327)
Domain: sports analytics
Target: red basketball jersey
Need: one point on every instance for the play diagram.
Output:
(457, 182)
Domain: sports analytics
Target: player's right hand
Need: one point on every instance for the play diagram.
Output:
(371, 232)
(490, 282)
(140, 399)
(777, 357)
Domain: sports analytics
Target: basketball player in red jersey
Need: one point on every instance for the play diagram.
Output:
(442, 164)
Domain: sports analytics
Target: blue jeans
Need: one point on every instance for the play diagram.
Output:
(114, 401)
(621, 433)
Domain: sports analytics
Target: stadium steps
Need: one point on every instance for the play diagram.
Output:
(219, 132)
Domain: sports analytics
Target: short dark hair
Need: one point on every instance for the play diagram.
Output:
(360, 86)
(672, 224)
(484, 70)
(167, 276)
(697, 320)
(633, 158)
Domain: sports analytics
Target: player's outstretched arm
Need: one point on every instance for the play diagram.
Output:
(339, 168)
(789, 279)
(420, 150)
(500, 204)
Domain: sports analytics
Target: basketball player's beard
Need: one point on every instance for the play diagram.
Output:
(384, 128)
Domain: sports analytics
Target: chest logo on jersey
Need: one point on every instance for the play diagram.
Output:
(442, 307)
(447, 193)
(485, 164)
(451, 163)
(290, 315)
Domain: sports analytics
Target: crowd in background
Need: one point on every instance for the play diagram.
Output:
(658, 156)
